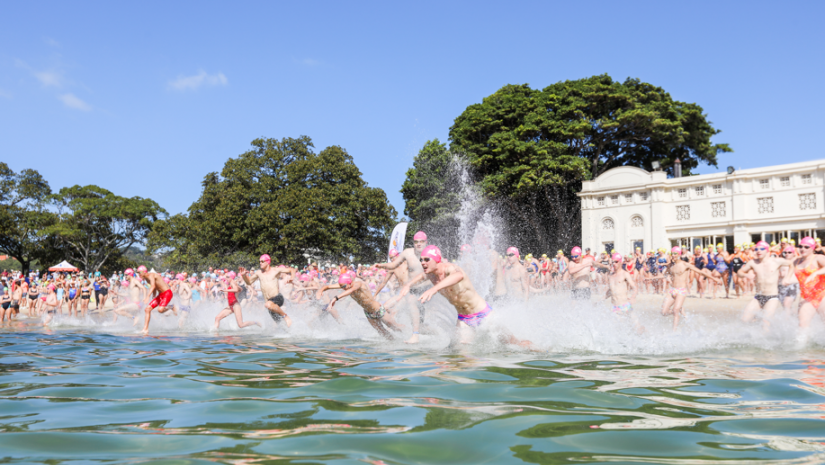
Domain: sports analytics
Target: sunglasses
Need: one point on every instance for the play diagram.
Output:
(805, 246)
(761, 249)
(511, 255)
(423, 259)
(787, 253)
(575, 256)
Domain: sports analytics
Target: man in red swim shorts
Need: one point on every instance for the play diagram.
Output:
(164, 294)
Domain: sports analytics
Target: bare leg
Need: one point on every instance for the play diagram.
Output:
(148, 316)
(277, 309)
(380, 328)
(667, 305)
(223, 314)
(239, 317)
(125, 310)
(750, 311)
(677, 310)
(770, 309)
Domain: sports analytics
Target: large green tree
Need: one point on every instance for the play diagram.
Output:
(97, 226)
(432, 195)
(24, 218)
(531, 149)
(283, 199)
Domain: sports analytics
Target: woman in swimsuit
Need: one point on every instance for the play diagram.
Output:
(809, 269)
(49, 304)
(85, 295)
(231, 288)
(72, 296)
(33, 293)
(5, 303)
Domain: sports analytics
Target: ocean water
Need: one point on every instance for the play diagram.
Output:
(592, 392)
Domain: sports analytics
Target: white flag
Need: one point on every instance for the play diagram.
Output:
(397, 238)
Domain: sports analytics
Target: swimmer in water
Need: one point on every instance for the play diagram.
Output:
(161, 301)
(680, 272)
(450, 281)
(809, 269)
(767, 284)
(376, 313)
(131, 304)
(579, 272)
(516, 278)
(231, 288)
(270, 286)
(410, 257)
(622, 291)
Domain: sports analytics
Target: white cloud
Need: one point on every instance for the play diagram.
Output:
(184, 83)
(49, 78)
(71, 101)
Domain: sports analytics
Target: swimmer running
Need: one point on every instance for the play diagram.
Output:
(675, 295)
(270, 286)
(450, 281)
(161, 301)
(376, 313)
(767, 297)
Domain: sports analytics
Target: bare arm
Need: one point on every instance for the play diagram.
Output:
(744, 269)
(393, 264)
(383, 283)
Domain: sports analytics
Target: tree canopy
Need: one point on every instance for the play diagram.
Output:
(24, 218)
(97, 226)
(532, 148)
(282, 199)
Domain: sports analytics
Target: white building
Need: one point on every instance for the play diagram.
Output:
(629, 207)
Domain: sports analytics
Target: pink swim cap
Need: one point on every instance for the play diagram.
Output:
(345, 279)
(305, 277)
(51, 287)
(420, 236)
(513, 250)
(193, 280)
(617, 257)
(393, 253)
(231, 275)
(576, 251)
(179, 277)
(166, 280)
(265, 258)
(763, 244)
(129, 271)
(142, 269)
(789, 248)
(809, 241)
(466, 248)
(676, 249)
(432, 252)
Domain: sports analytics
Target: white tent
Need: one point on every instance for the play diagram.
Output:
(63, 266)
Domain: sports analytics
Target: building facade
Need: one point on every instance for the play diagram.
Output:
(628, 207)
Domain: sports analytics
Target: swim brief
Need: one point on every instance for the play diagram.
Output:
(580, 294)
(185, 308)
(474, 319)
(278, 300)
(377, 315)
(763, 299)
(623, 310)
(788, 291)
(677, 291)
(162, 300)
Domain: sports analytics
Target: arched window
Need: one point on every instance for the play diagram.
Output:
(636, 222)
(607, 223)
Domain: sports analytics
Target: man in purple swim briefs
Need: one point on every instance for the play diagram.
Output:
(450, 281)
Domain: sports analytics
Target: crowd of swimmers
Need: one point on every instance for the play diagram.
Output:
(776, 274)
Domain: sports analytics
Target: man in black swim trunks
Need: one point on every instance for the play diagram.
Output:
(270, 286)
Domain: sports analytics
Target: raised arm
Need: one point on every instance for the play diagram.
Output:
(384, 282)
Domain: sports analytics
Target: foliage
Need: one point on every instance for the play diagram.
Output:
(283, 199)
(97, 226)
(531, 149)
(24, 219)
(431, 194)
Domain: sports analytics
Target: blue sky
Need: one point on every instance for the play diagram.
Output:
(145, 98)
